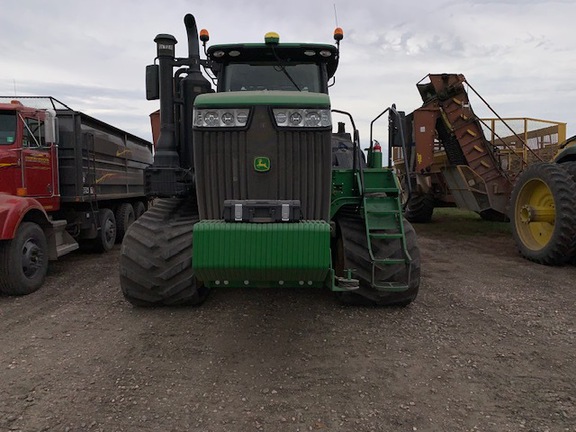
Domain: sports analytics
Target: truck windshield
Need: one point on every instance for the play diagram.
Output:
(245, 77)
(7, 127)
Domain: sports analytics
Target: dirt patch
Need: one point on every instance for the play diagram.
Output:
(489, 345)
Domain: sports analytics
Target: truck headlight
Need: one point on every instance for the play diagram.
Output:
(225, 117)
(307, 117)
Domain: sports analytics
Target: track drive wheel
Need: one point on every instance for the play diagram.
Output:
(350, 251)
(23, 260)
(156, 258)
(544, 214)
(420, 208)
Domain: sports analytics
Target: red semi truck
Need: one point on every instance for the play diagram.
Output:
(65, 178)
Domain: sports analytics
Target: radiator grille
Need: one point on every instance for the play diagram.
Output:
(300, 167)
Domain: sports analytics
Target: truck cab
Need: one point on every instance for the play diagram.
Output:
(28, 157)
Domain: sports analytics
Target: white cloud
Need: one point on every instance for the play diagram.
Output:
(92, 54)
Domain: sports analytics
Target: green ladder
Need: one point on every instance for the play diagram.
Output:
(383, 218)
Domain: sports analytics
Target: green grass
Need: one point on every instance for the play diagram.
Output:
(454, 221)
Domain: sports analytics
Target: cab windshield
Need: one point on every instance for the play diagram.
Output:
(7, 127)
(296, 77)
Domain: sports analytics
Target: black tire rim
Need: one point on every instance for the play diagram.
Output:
(32, 258)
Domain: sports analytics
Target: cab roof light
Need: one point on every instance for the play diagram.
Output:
(271, 38)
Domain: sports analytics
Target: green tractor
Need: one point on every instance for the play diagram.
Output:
(253, 189)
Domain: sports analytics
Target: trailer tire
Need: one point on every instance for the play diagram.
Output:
(139, 209)
(125, 216)
(23, 260)
(351, 251)
(156, 258)
(107, 231)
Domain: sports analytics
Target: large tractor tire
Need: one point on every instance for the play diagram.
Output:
(156, 258)
(570, 168)
(543, 207)
(351, 252)
(23, 260)
(124, 218)
(419, 208)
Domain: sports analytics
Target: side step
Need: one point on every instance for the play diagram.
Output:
(60, 242)
(384, 221)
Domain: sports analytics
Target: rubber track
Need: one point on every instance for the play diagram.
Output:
(561, 247)
(156, 258)
(357, 256)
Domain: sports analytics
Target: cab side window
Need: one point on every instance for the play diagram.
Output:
(34, 135)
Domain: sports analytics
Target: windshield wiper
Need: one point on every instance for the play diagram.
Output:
(282, 69)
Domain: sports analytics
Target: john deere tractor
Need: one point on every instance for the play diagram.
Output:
(252, 187)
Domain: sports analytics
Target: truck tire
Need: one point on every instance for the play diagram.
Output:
(107, 232)
(543, 207)
(156, 259)
(124, 218)
(139, 209)
(23, 260)
(351, 252)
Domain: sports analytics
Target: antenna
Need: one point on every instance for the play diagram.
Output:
(336, 15)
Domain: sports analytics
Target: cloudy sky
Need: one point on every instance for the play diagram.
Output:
(519, 54)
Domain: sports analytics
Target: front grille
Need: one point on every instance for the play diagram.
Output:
(300, 167)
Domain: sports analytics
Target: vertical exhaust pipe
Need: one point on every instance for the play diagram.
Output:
(191, 86)
(166, 152)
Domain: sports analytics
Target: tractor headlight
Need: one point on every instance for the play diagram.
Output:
(308, 117)
(225, 117)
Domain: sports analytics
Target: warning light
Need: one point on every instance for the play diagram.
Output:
(272, 38)
(21, 191)
(204, 35)
(338, 34)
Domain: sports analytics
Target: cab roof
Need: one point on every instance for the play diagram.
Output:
(287, 52)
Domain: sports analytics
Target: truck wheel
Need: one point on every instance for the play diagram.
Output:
(107, 233)
(156, 259)
(351, 252)
(139, 209)
(23, 260)
(124, 218)
(543, 206)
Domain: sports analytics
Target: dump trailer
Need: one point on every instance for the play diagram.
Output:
(255, 190)
(65, 179)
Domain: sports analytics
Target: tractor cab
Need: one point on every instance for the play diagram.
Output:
(272, 66)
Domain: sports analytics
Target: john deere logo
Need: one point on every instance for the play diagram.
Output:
(262, 164)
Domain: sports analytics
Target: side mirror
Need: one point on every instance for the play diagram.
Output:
(152, 82)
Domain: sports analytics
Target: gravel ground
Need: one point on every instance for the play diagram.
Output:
(489, 345)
